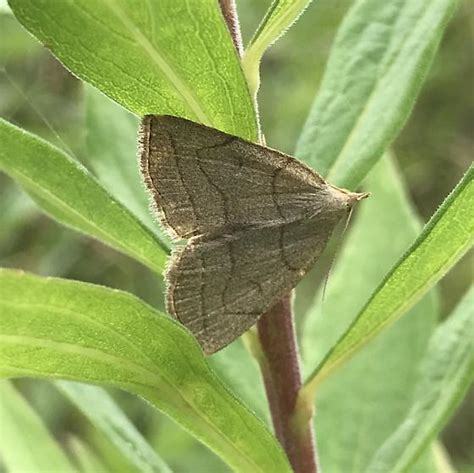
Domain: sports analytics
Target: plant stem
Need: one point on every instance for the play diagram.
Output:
(229, 11)
(292, 417)
(278, 353)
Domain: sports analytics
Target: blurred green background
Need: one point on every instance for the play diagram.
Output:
(38, 94)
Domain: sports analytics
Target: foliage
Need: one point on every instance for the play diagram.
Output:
(138, 54)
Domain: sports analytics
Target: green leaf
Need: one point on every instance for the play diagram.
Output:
(111, 133)
(87, 459)
(279, 17)
(381, 55)
(15, 209)
(106, 416)
(364, 260)
(180, 450)
(15, 46)
(66, 191)
(446, 237)
(111, 139)
(441, 461)
(239, 369)
(163, 57)
(351, 427)
(445, 377)
(4, 9)
(26, 443)
(54, 328)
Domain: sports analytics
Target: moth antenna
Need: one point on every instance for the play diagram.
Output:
(336, 253)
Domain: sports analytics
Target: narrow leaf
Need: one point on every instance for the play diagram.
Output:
(446, 237)
(66, 191)
(362, 263)
(163, 57)
(381, 55)
(279, 17)
(350, 428)
(445, 376)
(54, 328)
(441, 461)
(106, 416)
(240, 371)
(86, 458)
(26, 443)
(111, 139)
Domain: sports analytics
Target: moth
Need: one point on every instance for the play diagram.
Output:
(255, 221)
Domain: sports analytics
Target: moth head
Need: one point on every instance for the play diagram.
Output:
(345, 197)
(354, 197)
(348, 198)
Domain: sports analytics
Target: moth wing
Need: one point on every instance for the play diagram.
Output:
(218, 288)
(203, 180)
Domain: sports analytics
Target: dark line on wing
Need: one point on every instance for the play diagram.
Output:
(183, 182)
(226, 142)
(282, 251)
(260, 290)
(225, 200)
(178, 286)
(274, 193)
(230, 250)
(229, 139)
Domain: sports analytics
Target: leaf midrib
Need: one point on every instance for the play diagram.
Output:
(337, 162)
(43, 191)
(133, 367)
(174, 80)
(400, 308)
(444, 394)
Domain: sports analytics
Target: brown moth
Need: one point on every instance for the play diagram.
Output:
(256, 220)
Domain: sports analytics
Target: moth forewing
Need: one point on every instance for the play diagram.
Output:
(256, 220)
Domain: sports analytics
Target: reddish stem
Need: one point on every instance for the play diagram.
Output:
(279, 363)
(281, 375)
(229, 11)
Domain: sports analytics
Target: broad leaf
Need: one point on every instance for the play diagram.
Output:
(54, 328)
(66, 191)
(445, 376)
(352, 424)
(446, 237)
(279, 17)
(106, 416)
(163, 57)
(26, 443)
(381, 55)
